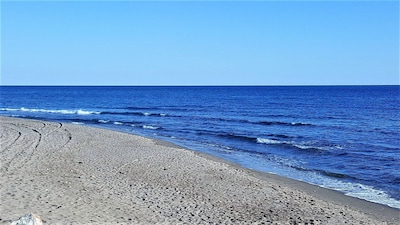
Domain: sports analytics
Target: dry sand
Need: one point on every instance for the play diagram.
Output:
(72, 174)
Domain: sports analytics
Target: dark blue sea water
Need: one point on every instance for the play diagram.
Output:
(345, 138)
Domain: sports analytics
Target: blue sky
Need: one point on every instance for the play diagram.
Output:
(199, 43)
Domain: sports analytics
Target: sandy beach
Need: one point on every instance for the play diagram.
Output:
(74, 174)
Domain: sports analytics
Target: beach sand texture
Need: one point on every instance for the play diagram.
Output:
(73, 174)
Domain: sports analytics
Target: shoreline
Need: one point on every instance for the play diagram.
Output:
(103, 171)
(385, 212)
(313, 189)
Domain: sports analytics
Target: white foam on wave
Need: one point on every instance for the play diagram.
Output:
(323, 148)
(150, 127)
(299, 124)
(302, 145)
(286, 167)
(118, 123)
(103, 121)
(61, 111)
(305, 147)
(78, 123)
(8, 109)
(82, 112)
(267, 141)
(154, 114)
(361, 191)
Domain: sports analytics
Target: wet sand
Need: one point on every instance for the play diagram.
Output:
(73, 174)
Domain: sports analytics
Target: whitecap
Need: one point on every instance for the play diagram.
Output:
(307, 147)
(61, 111)
(150, 127)
(83, 112)
(267, 141)
(362, 191)
(8, 109)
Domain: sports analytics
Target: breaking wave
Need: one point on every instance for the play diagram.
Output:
(60, 111)
(150, 127)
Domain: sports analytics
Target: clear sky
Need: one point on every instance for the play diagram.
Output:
(199, 42)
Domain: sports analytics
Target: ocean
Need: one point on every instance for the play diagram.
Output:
(345, 138)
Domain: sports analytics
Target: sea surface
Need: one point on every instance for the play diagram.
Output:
(345, 138)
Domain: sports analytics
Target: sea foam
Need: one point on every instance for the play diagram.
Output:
(267, 141)
(60, 111)
(150, 127)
